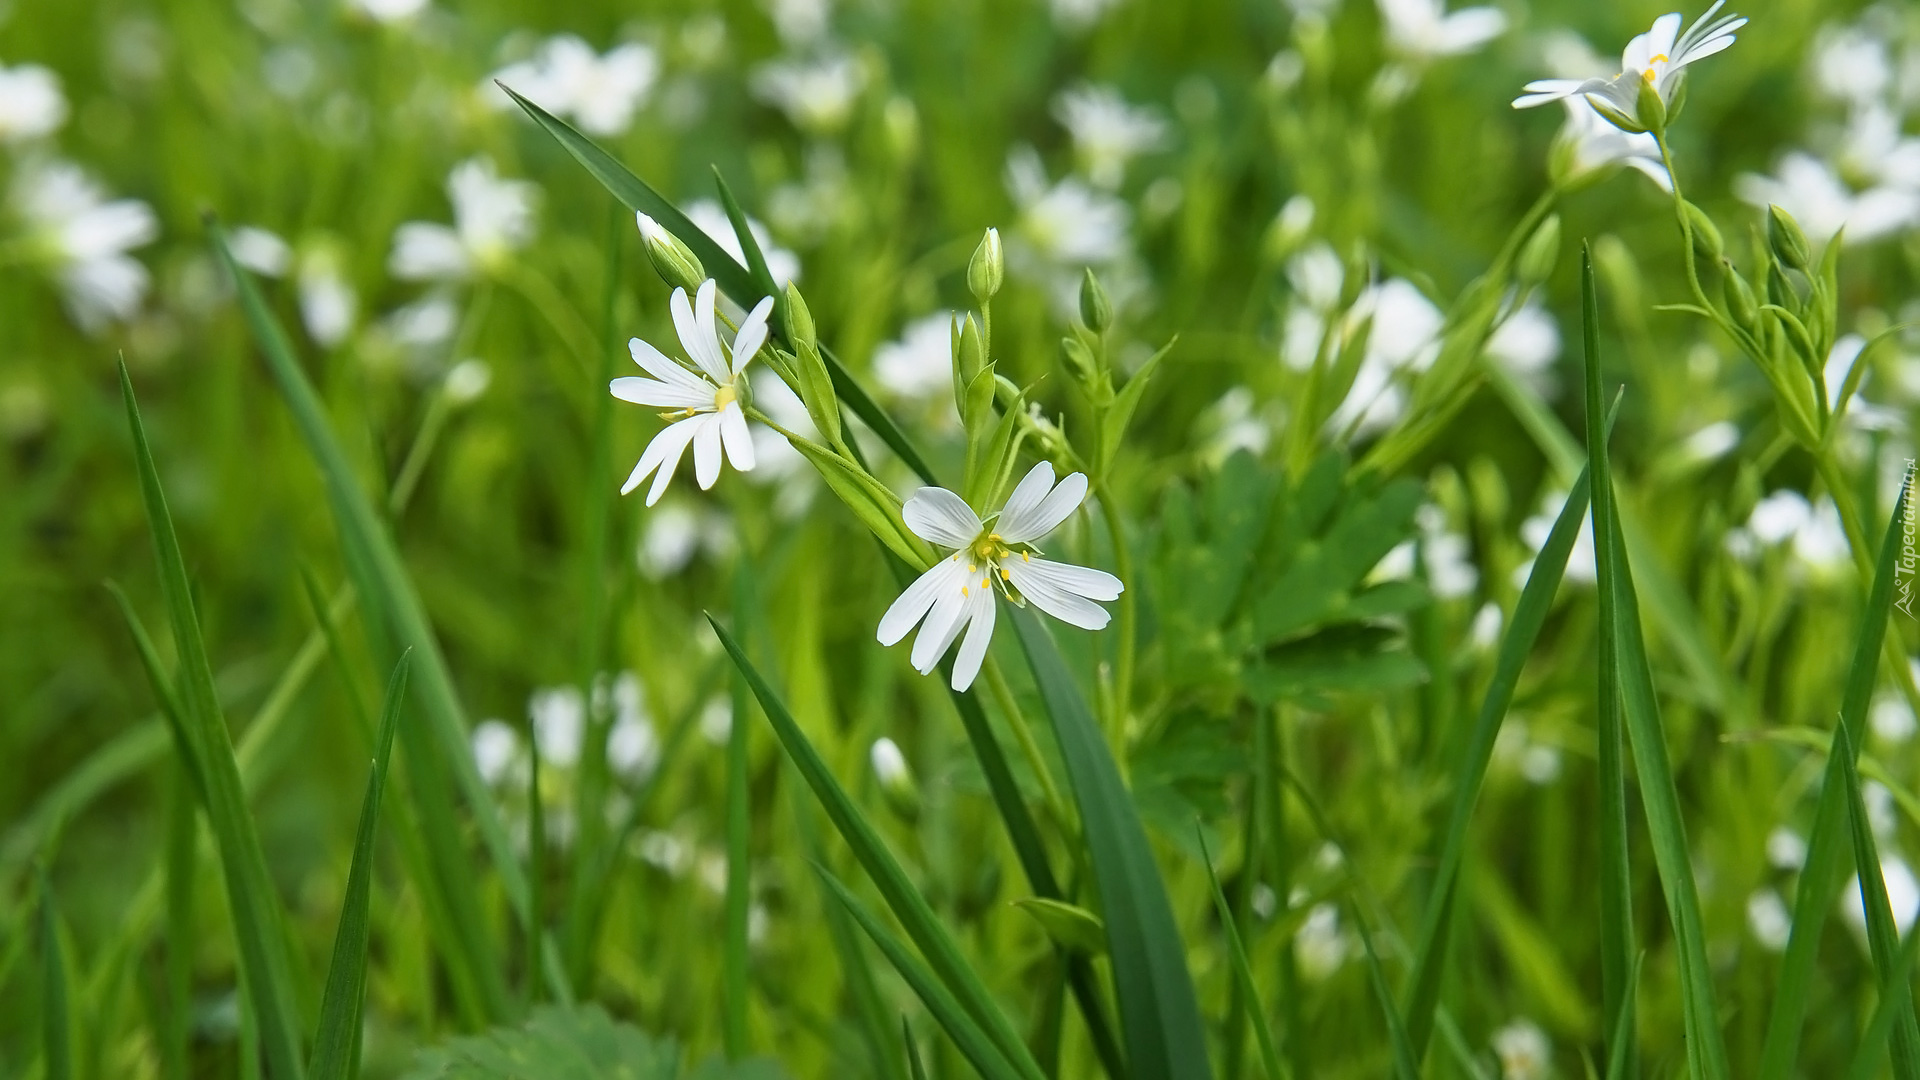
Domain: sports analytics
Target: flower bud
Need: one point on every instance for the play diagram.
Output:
(988, 268)
(1706, 235)
(1650, 108)
(799, 321)
(896, 780)
(1095, 311)
(1779, 289)
(467, 381)
(676, 263)
(1541, 252)
(1614, 116)
(1741, 303)
(1290, 229)
(1788, 242)
(970, 357)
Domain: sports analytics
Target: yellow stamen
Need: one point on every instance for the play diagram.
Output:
(1658, 59)
(724, 397)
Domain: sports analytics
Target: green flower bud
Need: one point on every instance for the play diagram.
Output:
(1289, 230)
(970, 357)
(1650, 108)
(1741, 303)
(1541, 252)
(1788, 242)
(988, 268)
(1095, 310)
(1614, 116)
(1706, 235)
(1779, 289)
(896, 779)
(799, 321)
(676, 263)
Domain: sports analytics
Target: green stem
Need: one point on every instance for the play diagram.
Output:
(1124, 649)
(1029, 746)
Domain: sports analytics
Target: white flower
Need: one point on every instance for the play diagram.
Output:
(676, 532)
(919, 365)
(1526, 345)
(706, 406)
(389, 11)
(712, 219)
(495, 746)
(492, 219)
(1903, 896)
(633, 749)
(818, 96)
(1852, 64)
(467, 381)
(425, 322)
(1821, 201)
(1779, 516)
(889, 764)
(1891, 719)
(559, 718)
(1523, 1050)
(31, 104)
(1711, 443)
(1876, 151)
(567, 78)
(1066, 223)
(800, 22)
(1423, 30)
(1485, 629)
(1583, 566)
(1656, 57)
(1786, 849)
(328, 304)
(1107, 132)
(1768, 919)
(1594, 144)
(1077, 15)
(84, 239)
(1233, 424)
(1319, 943)
(958, 592)
(260, 251)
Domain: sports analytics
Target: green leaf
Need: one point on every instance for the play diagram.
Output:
(1313, 587)
(1823, 874)
(919, 1071)
(256, 912)
(734, 280)
(576, 1043)
(1113, 427)
(976, 1045)
(1159, 1013)
(1405, 1065)
(877, 507)
(1242, 967)
(1893, 1006)
(902, 898)
(1620, 1061)
(336, 1041)
(398, 619)
(56, 1023)
(1070, 926)
(1882, 934)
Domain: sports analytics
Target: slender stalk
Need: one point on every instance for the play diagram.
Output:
(1029, 746)
(1124, 631)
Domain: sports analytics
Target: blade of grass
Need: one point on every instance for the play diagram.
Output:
(1159, 1012)
(1890, 1008)
(979, 1048)
(1242, 969)
(1883, 936)
(1617, 950)
(1823, 874)
(56, 1021)
(905, 901)
(734, 280)
(1404, 1065)
(739, 867)
(397, 618)
(336, 1039)
(1620, 1058)
(918, 1070)
(255, 911)
(178, 960)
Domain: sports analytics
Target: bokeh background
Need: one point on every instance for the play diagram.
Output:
(1222, 165)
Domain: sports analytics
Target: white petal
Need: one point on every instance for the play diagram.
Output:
(938, 516)
(644, 391)
(1026, 498)
(1079, 580)
(662, 453)
(1470, 28)
(1704, 49)
(1043, 591)
(752, 335)
(706, 450)
(949, 614)
(912, 604)
(1057, 507)
(736, 437)
(662, 367)
(425, 251)
(700, 349)
(973, 651)
(710, 358)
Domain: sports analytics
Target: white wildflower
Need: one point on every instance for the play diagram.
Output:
(919, 365)
(1816, 196)
(817, 95)
(328, 304)
(566, 77)
(31, 104)
(1424, 30)
(495, 748)
(1656, 58)
(260, 250)
(1107, 132)
(559, 718)
(492, 217)
(711, 218)
(1903, 896)
(389, 11)
(1768, 919)
(83, 239)
(1786, 849)
(1523, 1050)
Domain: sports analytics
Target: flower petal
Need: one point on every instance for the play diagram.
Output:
(1078, 580)
(752, 335)
(973, 651)
(663, 453)
(912, 604)
(700, 350)
(1058, 506)
(1026, 497)
(943, 624)
(663, 367)
(938, 516)
(706, 450)
(710, 358)
(644, 391)
(736, 437)
(1042, 588)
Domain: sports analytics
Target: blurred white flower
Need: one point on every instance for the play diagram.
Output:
(779, 463)
(1233, 424)
(559, 724)
(1582, 564)
(1711, 442)
(424, 323)
(1874, 150)
(706, 409)
(1405, 337)
(389, 11)
(492, 219)
(328, 304)
(1449, 565)
(800, 22)
(1903, 896)
(1516, 749)
(716, 721)
(1852, 64)
(1424, 30)
(817, 95)
(1485, 630)
(633, 750)
(1523, 1050)
(1319, 945)
(1657, 57)
(1066, 223)
(1526, 345)
(676, 532)
(567, 78)
(1779, 516)
(1317, 274)
(260, 251)
(712, 219)
(82, 238)
(889, 764)
(495, 747)
(1786, 850)
(957, 593)
(1891, 719)
(1821, 201)
(1078, 15)
(1107, 132)
(1593, 145)
(1768, 919)
(918, 366)
(467, 380)
(31, 104)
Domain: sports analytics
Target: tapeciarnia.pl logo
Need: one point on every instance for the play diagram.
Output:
(1903, 570)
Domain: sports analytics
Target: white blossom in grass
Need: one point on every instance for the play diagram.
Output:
(1526, 344)
(82, 238)
(918, 366)
(997, 554)
(1786, 849)
(1656, 58)
(1711, 443)
(1822, 202)
(1768, 919)
(889, 764)
(1876, 151)
(800, 22)
(1593, 146)
(712, 219)
(1424, 30)
(328, 303)
(493, 218)
(1484, 632)
(260, 251)
(1523, 1051)
(31, 104)
(1903, 896)
(467, 380)
(559, 718)
(704, 402)
(1107, 132)
(1582, 563)
(817, 95)
(1319, 944)
(1779, 516)
(495, 747)
(599, 93)
(388, 11)
(1076, 16)
(633, 748)
(1852, 64)
(1891, 719)
(1066, 223)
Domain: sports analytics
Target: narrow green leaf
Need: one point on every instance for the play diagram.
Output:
(1620, 1057)
(181, 858)
(1243, 968)
(739, 867)
(919, 1071)
(1823, 874)
(734, 280)
(164, 692)
(979, 1048)
(862, 986)
(1072, 927)
(1892, 1007)
(336, 1040)
(905, 901)
(56, 1023)
(1882, 935)
(255, 910)
(1405, 1067)
(1159, 1013)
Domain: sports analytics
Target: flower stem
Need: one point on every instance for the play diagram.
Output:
(415, 463)
(1029, 746)
(1122, 703)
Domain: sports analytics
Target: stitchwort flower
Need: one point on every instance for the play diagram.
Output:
(705, 404)
(957, 593)
(1654, 59)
